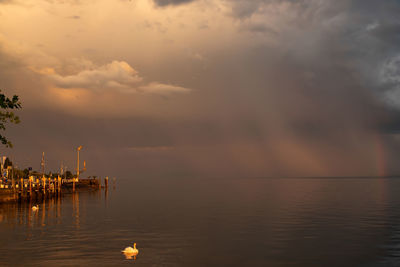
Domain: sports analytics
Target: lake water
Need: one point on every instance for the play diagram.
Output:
(211, 222)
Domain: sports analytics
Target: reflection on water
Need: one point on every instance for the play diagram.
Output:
(129, 255)
(203, 222)
(48, 213)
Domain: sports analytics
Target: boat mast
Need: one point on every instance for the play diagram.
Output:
(42, 164)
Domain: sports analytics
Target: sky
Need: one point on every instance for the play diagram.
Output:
(205, 88)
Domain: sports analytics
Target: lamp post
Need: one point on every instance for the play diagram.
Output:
(77, 169)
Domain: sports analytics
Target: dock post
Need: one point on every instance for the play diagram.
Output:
(59, 183)
(30, 184)
(13, 184)
(44, 184)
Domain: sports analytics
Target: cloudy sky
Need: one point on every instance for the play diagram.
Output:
(213, 88)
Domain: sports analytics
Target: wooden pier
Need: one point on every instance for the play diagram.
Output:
(38, 189)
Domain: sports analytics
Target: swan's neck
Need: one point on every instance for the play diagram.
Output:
(134, 246)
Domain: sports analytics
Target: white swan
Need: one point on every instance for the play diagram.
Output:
(35, 208)
(131, 251)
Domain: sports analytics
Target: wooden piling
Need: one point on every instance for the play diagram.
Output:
(59, 183)
(30, 184)
(44, 184)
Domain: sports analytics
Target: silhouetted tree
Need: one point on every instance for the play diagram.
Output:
(7, 116)
(26, 173)
(69, 175)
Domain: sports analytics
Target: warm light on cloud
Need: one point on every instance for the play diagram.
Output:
(72, 95)
(118, 75)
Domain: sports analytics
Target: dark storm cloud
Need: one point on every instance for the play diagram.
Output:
(363, 35)
(389, 33)
(372, 39)
(243, 9)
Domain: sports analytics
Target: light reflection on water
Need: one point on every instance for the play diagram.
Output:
(206, 222)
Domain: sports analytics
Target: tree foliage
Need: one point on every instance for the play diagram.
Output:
(69, 175)
(25, 173)
(7, 163)
(7, 116)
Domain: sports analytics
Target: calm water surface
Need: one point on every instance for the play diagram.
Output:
(211, 222)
